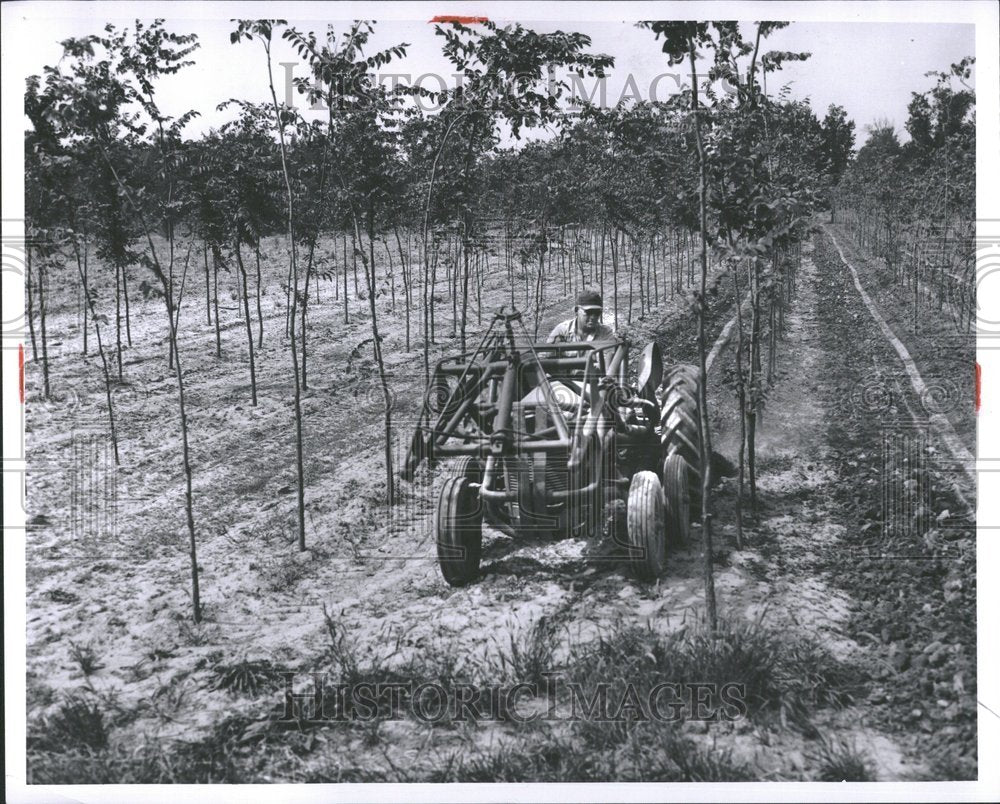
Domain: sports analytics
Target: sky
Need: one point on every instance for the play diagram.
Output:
(869, 68)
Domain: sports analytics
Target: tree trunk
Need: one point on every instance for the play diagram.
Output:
(706, 435)
(218, 323)
(305, 307)
(407, 281)
(754, 381)
(81, 269)
(188, 486)
(185, 450)
(434, 264)
(42, 320)
(614, 271)
(237, 250)
(604, 234)
(89, 302)
(356, 243)
(293, 272)
(118, 319)
(347, 319)
(369, 267)
(465, 282)
(208, 283)
(128, 309)
(741, 393)
(392, 275)
(631, 274)
(260, 312)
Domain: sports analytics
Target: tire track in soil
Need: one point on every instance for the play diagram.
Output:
(938, 421)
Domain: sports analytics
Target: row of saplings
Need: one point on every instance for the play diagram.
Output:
(547, 434)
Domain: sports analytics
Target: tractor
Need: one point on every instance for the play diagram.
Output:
(546, 433)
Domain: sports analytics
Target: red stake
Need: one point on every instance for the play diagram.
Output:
(459, 19)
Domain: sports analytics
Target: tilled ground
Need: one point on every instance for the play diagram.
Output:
(835, 636)
(913, 573)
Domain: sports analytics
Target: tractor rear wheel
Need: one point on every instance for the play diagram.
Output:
(458, 523)
(646, 526)
(677, 494)
(680, 423)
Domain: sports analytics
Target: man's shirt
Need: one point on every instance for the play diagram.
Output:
(567, 332)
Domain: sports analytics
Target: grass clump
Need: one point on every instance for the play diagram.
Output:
(840, 760)
(528, 655)
(741, 668)
(78, 722)
(247, 677)
(85, 657)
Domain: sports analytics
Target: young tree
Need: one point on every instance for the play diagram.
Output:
(682, 41)
(758, 202)
(90, 105)
(363, 119)
(507, 74)
(262, 31)
(53, 199)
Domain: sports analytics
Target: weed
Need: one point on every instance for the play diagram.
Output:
(62, 596)
(85, 657)
(345, 658)
(281, 572)
(776, 673)
(38, 695)
(170, 697)
(666, 756)
(949, 764)
(547, 759)
(79, 722)
(528, 655)
(139, 671)
(247, 677)
(840, 760)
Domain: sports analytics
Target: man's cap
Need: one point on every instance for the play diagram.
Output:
(590, 300)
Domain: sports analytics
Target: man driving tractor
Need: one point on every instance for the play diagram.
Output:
(586, 323)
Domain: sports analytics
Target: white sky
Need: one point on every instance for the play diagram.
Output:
(868, 68)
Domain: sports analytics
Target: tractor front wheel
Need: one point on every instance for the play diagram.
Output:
(646, 526)
(458, 523)
(469, 467)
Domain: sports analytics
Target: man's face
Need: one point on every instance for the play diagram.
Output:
(587, 319)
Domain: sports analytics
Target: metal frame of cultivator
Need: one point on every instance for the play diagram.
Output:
(546, 433)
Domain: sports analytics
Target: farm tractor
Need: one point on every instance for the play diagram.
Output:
(546, 433)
